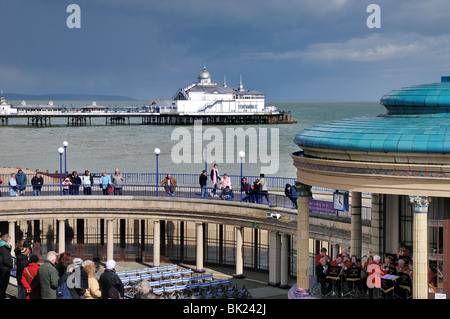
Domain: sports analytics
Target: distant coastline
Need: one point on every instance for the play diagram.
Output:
(68, 97)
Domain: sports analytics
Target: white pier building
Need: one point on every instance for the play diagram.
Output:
(207, 97)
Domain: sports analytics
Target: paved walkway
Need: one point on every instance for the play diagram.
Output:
(254, 281)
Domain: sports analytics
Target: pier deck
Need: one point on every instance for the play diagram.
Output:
(85, 119)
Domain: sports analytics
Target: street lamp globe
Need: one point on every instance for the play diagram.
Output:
(157, 151)
(65, 143)
(60, 150)
(241, 154)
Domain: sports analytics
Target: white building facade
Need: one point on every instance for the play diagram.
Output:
(206, 97)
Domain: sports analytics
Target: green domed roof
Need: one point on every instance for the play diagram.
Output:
(417, 120)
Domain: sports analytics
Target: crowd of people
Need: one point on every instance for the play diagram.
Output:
(60, 276)
(113, 184)
(366, 278)
(109, 184)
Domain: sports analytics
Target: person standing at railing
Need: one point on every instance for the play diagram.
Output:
(87, 180)
(37, 181)
(169, 184)
(13, 186)
(256, 192)
(66, 185)
(76, 182)
(246, 188)
(215, 178)
(105, 182)
(264, 188)
(292, 194)
(117, 182)
(21, 179)
(203, 180)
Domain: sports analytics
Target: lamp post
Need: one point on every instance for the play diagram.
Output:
(241, 155)
(157, 151)
(65, 144)
(60, 151)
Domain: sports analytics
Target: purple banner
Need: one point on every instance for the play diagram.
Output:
(320, 206)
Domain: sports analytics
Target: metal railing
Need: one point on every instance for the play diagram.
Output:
(150, 178)
(236, 195)
(271, 199)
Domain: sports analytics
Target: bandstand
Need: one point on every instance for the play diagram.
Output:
(402, 159)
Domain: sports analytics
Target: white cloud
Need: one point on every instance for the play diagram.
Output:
(372, 48)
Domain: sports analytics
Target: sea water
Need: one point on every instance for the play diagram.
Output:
(130, 148)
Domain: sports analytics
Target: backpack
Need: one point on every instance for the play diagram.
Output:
(63, 292)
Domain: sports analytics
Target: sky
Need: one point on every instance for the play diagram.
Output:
(291, 50)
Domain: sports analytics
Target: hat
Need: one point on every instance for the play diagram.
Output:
(110, 264)
(23, 250)
(77, 261)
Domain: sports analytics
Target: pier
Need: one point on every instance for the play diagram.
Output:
(141, 118)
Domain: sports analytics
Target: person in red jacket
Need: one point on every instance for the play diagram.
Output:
(323, 254)
(374, 274)
(30, 280)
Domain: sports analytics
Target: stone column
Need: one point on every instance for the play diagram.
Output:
(61, 236)
(199, 250)
(335, 249)
(156, 243)
(284, 261)
(109, 239)
(239, 253)
(356, 231)
(274, 259)
(376, 225)
(420, 246)
(304, 194)
(12, 234)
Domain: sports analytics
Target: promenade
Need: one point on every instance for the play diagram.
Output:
(134, 204)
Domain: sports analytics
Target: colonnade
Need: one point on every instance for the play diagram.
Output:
(278, 249)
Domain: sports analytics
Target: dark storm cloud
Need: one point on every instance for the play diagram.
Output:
(289, 49)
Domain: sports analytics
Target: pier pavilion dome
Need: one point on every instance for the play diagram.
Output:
(204, 77)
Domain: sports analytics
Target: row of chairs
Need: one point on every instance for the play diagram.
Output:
(161, 285)
(167, 277)
(216, 289)
(152, 270)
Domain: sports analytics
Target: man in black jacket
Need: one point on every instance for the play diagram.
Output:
(321, 274)
(6, 264)
(109, 279)
(37, 181)
(203, 180)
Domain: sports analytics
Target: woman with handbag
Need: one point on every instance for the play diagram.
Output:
(105, 183)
